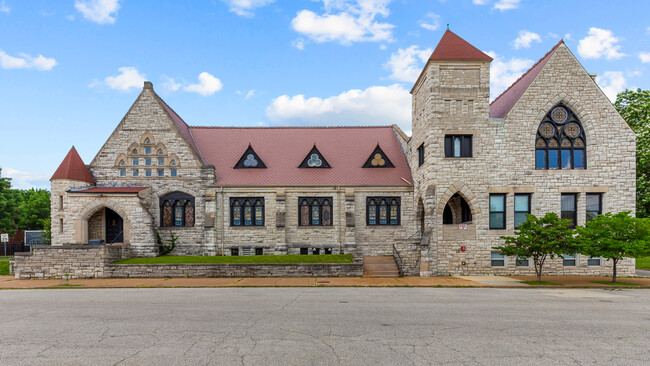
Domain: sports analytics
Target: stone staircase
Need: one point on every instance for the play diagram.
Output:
(380, 267)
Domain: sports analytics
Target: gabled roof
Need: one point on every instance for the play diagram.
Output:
(452, 47)
(284, 148)
(73, 168)
(181, 125)
(314, 159)
(500, 107)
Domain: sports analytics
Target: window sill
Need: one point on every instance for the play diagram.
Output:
(561, 171)
(246, 227)
(459, 157)
(162, 228)
(383, 226)
(328, 227)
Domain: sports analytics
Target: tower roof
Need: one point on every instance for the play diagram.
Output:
(73, 168)
(452, 47)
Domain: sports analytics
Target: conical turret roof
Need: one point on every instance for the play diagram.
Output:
(73, 168)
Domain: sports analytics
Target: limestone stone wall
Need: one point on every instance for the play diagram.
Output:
(235, 270)
(71, 261)
(503, 159)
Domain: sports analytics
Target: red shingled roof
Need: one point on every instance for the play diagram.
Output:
(111, 190)
(452, 47)
(283, 148)
(182, 126)
(500, 107)
(73, 168)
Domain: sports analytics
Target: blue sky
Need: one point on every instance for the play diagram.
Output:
(70, 69)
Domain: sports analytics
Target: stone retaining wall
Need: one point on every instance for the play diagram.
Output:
(73, 261)
(234, 270)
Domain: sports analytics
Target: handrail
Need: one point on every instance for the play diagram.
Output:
(398, 261)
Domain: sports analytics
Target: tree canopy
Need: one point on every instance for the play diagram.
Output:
(22, 209)
(634, 107)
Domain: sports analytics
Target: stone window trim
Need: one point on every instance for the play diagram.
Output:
(458, 146)
(315, 212)
(383, 206)
(569, 208)
(177, 210)
(570, 260)
(594, 261)
(522, 262)
(247, 212)
(497, 259)
(519, 212)
(560, 142)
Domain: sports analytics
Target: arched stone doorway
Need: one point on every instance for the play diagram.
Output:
(456, 211)
(104, 224)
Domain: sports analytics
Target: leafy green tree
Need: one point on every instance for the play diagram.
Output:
(634, 106)
(9, 206)
(47, 231)
(34, 209)
(614, 236)
(539, 239)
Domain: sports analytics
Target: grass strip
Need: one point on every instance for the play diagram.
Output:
(258, 259)
(542, 283)
(643, 263)
(4, 266)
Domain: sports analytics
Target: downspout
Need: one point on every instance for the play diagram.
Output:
(221, 221)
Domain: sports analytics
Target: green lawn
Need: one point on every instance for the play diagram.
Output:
(618, 283)
(325, 258)
(4, 266)
(542, 283)
(643, 263)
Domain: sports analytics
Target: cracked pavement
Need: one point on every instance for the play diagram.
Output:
(324, 326)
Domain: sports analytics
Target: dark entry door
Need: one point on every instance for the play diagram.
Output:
(114, 227)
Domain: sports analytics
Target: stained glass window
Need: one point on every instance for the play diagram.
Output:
(247, 211)
(315, 211)
(383, 210)
(560, 123)
(314, 160)
(177, 209)
(250, 159)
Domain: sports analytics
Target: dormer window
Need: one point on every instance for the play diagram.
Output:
(249, 160)
(378, 159)
(314, 160)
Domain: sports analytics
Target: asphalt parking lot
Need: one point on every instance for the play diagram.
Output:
(324, 326)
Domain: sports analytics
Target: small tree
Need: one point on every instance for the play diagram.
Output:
(539, 239)
(614, 236)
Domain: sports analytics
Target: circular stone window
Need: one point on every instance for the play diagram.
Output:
(572, 130)
(546, 130)
(559, 114)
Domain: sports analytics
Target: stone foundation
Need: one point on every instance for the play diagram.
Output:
(235, 270)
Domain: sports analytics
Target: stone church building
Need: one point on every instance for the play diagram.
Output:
(440, 199)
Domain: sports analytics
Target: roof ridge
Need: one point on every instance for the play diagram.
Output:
(292, 127)
(528, 71)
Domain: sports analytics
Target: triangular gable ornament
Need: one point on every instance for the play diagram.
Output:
(250, 160)
(378, 159)
(314, 160)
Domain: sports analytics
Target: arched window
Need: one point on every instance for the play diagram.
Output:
(147, 141)
(177, 209)
(456, 211)
(315, 211)
(173, 163)
(134, 152)
(160, 152)
(247, 211)
(122, 163)
(560, 141)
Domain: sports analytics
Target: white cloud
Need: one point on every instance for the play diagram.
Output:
(382, 47)
(26, 180)
(299, 44)
(248, 94)
(170, 83)
(479, 2)
(207, 85)
(24, 61)
(567, 36)
(406, 64)
(128, 79)
(98, 11)
(644, 57)
(431, 21)
(503, 73)
(612, 83)
(506, 4)
(245, 8)
(526, 38)
(600, 43)
(345, 21)
(4, 8)
(374, 105)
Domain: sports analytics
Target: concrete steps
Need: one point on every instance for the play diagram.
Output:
(380, 267)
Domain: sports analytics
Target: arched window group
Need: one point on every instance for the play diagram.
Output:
(560, 142)
(177, 209)
(247, 211)
(315, 211)
(382, 211)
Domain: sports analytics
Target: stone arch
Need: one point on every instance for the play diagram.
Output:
(144, 137)
(82, 223)
(575, 106)
(420, 215)
(463, 190)
(160, 146)
(173, 157)
(135, 147)
(121, 158)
